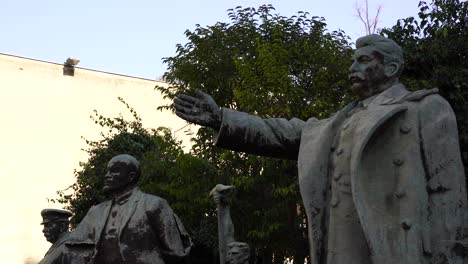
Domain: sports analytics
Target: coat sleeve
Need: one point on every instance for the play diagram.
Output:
(273, 137)
(445, 176)
(175, 243)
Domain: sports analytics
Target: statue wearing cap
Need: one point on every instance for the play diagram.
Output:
(56, 231)
(132, 227)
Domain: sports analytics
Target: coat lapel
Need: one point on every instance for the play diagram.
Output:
(102, 219)
(381, 109)
(316, 140)
(130, 208)
(378, 112)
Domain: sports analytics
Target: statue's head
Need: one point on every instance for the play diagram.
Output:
(238, 253)
(376, 65)
(122, 170)
(55, 222)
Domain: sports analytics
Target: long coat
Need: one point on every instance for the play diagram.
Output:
(149, 233)
(55, 252)
(407, 177)
(59, 253)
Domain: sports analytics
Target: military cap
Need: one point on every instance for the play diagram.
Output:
(52, 215)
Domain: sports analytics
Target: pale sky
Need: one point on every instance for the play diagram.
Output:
(130, 38)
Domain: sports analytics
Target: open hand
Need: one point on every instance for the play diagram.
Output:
(201, 109)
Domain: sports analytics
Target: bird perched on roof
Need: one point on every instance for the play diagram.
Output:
(72, 62)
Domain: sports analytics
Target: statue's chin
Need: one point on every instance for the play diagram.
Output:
(361, 90)
(106, 189)
(358, 89)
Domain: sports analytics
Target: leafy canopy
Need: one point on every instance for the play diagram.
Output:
(436, 55)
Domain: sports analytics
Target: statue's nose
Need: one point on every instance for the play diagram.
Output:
(352, 68)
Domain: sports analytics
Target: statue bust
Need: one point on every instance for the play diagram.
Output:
(132, 227)
(382, 180)
(56, 231)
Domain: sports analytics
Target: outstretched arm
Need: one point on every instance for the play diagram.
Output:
(238, 131)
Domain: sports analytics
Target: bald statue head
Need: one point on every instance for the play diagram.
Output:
(122, 171)
(376, 65)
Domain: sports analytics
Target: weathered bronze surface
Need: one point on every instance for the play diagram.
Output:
(382, 180)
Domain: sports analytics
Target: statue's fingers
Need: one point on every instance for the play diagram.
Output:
(185, 116)
(201, 94)
(194, 111)
(180, 102)
(188, 110)
(182, 108)
(188, 99)
(191, 115)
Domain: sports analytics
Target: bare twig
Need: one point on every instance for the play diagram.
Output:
(370, 24)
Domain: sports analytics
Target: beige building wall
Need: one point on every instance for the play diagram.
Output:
(44, 115)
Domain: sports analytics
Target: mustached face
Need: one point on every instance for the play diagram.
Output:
(367, 72)
(52, 231)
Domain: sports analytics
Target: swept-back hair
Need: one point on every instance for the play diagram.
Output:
(386, 48)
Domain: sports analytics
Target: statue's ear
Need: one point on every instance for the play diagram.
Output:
(391, 69)
(132, 176)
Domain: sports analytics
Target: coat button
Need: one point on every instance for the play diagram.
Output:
(405, 129)
(400, 194)
(406, 224)
(398, 162)
(337, 176)
(335, 201)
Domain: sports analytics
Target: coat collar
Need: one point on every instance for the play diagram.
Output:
(123, 198)
(380, 109)
(391, 96)
(130, 206)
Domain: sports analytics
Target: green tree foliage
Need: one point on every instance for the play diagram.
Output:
(272, 66)
(167, 171)
(436, 55)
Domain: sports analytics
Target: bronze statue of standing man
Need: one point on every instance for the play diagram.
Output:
(132, 227)
(382, 180)
(56, 231)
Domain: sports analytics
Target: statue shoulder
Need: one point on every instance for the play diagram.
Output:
(421, 94)
(428, 101)
(431, 100)
(99, 207)
(152, 200)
